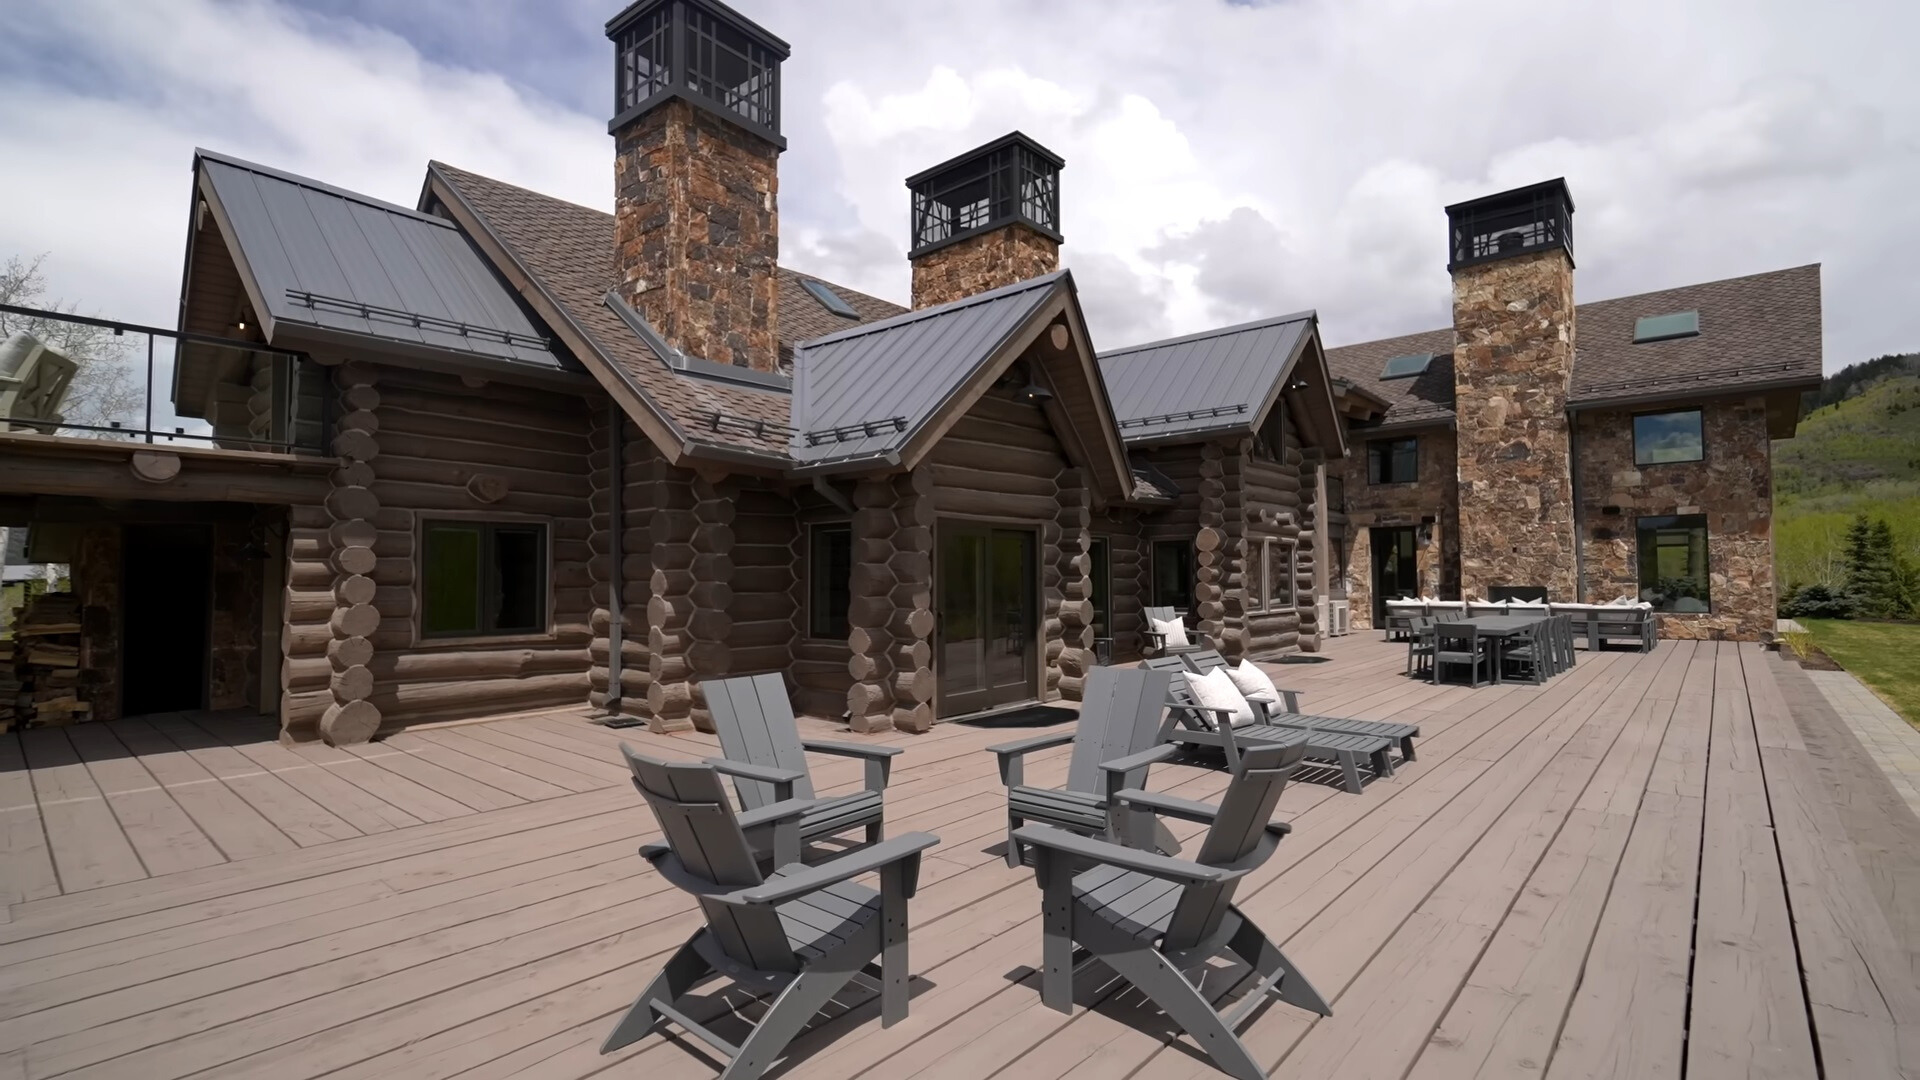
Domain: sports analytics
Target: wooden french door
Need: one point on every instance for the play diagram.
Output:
(987, 648)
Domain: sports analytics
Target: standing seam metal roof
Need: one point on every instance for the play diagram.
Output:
(866, 390)
(1202, 382)
(324, 257)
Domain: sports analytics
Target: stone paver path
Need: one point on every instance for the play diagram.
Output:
(1892, 742)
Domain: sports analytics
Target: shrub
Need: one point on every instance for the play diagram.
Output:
(1819, 601)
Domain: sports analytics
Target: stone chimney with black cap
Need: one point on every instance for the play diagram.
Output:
(988, 218)
(1511, 257)
(696, 129)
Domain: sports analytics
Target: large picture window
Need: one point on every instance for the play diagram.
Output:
(1272, 578)
(1673, 562)
(1102, 559)
(1660, 438)
(482, 577)
(1393, 461)
(1173, 574)
(829, 576)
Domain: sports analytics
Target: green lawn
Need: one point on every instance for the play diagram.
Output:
(1885, 656)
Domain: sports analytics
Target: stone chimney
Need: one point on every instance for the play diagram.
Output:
(1512, 266)
(697, 141)
(987, 218)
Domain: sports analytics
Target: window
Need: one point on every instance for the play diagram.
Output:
(482, 577)
(1673, 562)
(1273, 577)
(1406, 367)
(1653, 328)
(829, 299)
(1102, 571)
(1173, 574)
(829, 570)
(1660, 438)
(1393, 461)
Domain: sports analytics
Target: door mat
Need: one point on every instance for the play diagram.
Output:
(1038, 716)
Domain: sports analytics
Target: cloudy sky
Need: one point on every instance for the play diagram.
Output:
(1225, 161)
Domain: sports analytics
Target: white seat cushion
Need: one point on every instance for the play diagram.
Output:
(1254, 683)
(1173, 631)
(1215, 690)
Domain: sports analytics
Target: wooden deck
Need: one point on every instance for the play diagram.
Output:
(1638, 870)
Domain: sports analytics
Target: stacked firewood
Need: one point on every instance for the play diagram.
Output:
(46, 662)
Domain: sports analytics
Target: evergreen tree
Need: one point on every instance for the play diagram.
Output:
(1900, 577)
(1866, 583)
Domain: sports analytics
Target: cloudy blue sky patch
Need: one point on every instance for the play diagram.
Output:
(1224, 161)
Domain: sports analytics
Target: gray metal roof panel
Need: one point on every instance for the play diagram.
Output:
(1206, 382)
(865, 391)
(298, 236)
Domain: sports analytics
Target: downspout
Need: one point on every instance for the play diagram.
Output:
(616, 524)
(1579, 518)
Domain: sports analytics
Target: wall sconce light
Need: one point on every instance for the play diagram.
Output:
(1033, 394)
(1423, 536)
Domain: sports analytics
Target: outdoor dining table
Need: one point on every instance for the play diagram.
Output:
(1500, 628)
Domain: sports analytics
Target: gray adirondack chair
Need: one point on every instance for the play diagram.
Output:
(1202, 726)
(763, 752)
(1152, 919)
(1122, 723)
(1157, 641)
(800, 933)
(1206, 660)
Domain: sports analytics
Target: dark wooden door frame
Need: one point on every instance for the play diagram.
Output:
(947, 525)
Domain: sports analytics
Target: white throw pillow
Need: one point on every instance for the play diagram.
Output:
(1215, 690)
(1620, 601)
(1173, 631)
(1254, 683)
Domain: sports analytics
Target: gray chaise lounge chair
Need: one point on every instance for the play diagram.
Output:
(1152, 919)
(1291, 716)
(800, 933)
(1202, 726)
(1122, 723)
(764, 753)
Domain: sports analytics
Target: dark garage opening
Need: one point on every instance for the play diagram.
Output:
(168, 592)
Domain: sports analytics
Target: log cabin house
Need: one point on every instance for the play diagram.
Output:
(497, 451)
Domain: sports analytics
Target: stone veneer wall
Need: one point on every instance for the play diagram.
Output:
(233, 667)
(697, 233)
(1733, 487)
(1513, 357)
(1435, 493)
(95, 580)
(987, 260)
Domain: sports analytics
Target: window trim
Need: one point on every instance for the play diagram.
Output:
(1387, 441)
(814, 528)
(1706, 553)
(1633, 434)
(1264, 603)
(417, 623)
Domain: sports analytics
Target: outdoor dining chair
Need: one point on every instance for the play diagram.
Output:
(1158, 922)
(1419, 645)
(797, 935)
(1458, 644)
(1530, 652)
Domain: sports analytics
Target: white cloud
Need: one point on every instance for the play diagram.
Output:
(1224, 162)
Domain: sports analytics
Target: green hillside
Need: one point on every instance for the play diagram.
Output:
(1858, 455)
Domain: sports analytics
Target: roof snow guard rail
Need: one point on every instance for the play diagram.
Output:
(1190, 414)
(317, 301)
(865, 430)
(747, 425)
(1781, 367)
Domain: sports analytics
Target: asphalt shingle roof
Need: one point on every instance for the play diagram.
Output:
(569, 249)
(1755, 331)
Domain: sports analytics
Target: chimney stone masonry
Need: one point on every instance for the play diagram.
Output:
(696, 177)
(1513, 320)
(988, 218)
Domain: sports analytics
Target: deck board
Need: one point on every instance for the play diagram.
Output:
(1518, 901)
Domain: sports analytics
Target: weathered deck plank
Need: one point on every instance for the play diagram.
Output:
(1536, 863)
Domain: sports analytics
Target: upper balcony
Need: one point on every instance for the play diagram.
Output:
(78, 394)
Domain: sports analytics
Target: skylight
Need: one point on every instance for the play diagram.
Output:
(1666, 327)
(1406, 367)
(829, 299)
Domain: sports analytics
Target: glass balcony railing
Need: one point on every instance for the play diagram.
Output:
(77, 377)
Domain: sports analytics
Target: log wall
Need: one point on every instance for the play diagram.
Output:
(1279, 505)
(418, 445)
